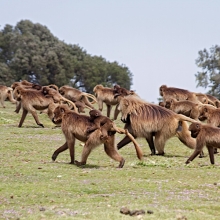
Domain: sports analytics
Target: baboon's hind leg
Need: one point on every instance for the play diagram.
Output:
(59, 150)
(112, 152)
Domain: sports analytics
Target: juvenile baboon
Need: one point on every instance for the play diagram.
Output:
(118, 89)
(101, 122)
(26, 85)
(206, 135)
(39, 87)
(74, 126)
(106, 95)
(105, 124)
(57, 97)
(177, 93)
(69, 92)
(79, 104)
(185, 107)
(6, 92)
(148, 120)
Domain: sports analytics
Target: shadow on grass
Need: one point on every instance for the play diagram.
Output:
(88, 166)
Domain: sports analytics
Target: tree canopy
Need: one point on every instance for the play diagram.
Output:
(209, 62)
(30, 52)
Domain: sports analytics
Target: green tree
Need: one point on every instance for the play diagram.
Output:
(209, 76)
(30, 51)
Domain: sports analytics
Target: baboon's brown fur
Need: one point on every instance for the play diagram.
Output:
(146, 119)
(74, 126)
(177, 93)
(79, 104)
(211, 114)
(206, 135)
(57, 97)
(32, 100)
(185, 107)
(213, 100)
(202, 98)
(106, 95)
(26, 85)
(101, 122)
(6, 93)
(69, 92)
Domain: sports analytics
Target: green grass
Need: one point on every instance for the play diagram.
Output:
(34, 187)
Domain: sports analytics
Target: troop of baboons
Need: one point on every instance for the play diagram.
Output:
(192, 117)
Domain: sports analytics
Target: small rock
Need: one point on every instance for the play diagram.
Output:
(149, 212)
(125, 210)
(137, 212)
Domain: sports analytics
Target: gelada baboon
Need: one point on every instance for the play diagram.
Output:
(32, 101)
(57, 97)
(100, 122)
(6, 92)
(185, 107)
(149, 137)
(26, 85)
(79, 104)
(147, 120)
(211, 114)
(206, 135)
(213, 100)
(74, 126)
(105, 124)
(106, 95)
(70, 92)
(177, 93)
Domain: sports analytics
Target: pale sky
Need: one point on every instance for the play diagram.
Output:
(158, 40)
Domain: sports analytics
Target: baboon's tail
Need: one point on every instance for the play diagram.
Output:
(137, 147)
(185, 118)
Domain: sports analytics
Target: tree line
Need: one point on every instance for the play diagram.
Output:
(31, 52)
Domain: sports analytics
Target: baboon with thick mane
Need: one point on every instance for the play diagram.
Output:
(74, 126)
(147, 120)
(6, 92)
(206, 135)
(75, 94)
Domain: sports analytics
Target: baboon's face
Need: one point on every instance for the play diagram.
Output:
(58, 113)
(118, 91)
(94, 113)
(61, 91)
(167, 104)
(203, 114)
(195, 129)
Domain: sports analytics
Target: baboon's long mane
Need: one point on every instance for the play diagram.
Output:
(144, 116)
(145, 111)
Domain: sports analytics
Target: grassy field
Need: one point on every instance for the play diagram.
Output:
(34, 187)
